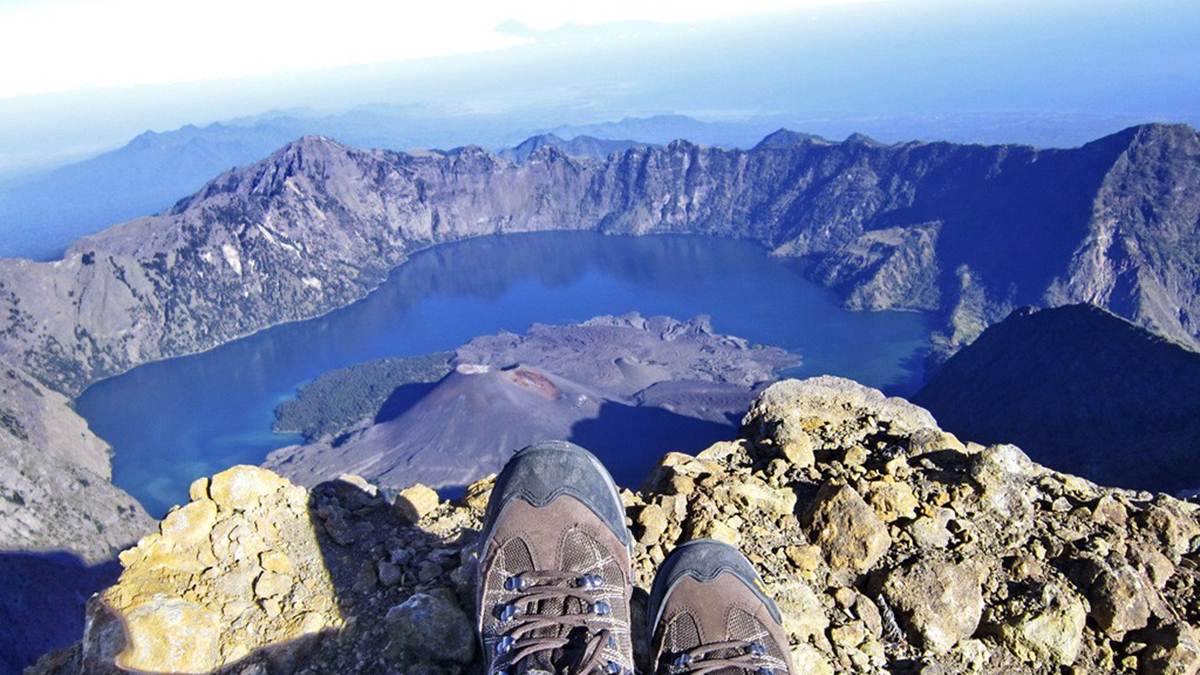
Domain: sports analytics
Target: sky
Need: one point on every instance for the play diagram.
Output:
(88, 75)
(69, 45)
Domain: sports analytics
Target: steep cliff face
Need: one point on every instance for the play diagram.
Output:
(54, 478)
(1081, 389)
(891, 547)
(966, 230)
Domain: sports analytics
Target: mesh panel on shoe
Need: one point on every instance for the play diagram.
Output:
(579, 554)
(582, 554)
(742, 625)
(681, 634)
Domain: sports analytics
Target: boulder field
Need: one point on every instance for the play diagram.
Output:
(890, 545)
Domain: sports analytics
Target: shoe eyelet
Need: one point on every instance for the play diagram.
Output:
(601, 608)
(682, 660)
(758, 649)
(515, 583)
(612, 641)
(589, 582)
(508, 611)
(504, 644)
(613, 668)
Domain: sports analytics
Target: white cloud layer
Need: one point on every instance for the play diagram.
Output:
(64, 45)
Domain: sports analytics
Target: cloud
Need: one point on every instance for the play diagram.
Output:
(65, 45)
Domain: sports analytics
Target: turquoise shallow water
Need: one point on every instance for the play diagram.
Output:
(172, 421)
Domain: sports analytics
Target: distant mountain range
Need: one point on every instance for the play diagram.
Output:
(579, 146)
(1080, 388)
(41, 214)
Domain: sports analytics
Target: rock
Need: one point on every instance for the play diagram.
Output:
(808, 660)
(241, 487)
(719, 530)
(272, 584)
(432, 626)
(417, 501)
(849, 533)
(1047, 628)
(387, 573)
(198, 490)
(1002, 471)
(1175, 651)
(170, 634)
(478, 492)
(803, 614)
(275, 561)
(760, 495)
(1157, 566)
(990, 535)
(827, 411)
(653, 521)
(798, 450)
(1119, 600)
(848, 635)
(804, 558)
(891, 501)
(1109, 510)
(1174, 530)
(939, 602)
(932, 531)
(190, 524)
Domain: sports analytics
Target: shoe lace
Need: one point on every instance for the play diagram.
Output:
(747, 656)
(533, 630)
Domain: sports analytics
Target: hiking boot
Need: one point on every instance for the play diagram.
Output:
(555, 577)
(708, 614)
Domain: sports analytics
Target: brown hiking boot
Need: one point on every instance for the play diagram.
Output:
(554, 567)
(708, 614)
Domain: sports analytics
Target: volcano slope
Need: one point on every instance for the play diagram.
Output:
(623, 385)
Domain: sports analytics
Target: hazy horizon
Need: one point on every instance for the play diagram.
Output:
(828, 60)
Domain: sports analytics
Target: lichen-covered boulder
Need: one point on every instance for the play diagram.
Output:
(940, 602)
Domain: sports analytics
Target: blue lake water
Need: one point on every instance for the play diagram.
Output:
(173, 421)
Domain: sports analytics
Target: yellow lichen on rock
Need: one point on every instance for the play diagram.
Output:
(170, 634)
(241, 486)
(223, 577)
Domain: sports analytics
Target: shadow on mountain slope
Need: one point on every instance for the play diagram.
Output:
(42, 607)
(631, 439)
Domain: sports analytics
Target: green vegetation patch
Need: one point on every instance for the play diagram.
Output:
(337, 400)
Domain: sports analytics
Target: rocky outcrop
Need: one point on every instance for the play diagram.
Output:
(890, 545)
(1080, 389)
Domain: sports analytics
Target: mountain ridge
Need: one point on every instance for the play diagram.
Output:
(1112, 400)
(388, 203)
(965, 231)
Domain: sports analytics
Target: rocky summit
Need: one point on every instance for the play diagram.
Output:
(890, 545)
